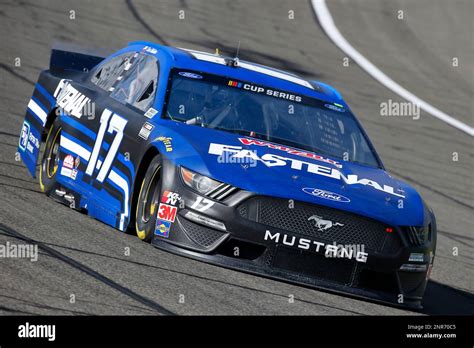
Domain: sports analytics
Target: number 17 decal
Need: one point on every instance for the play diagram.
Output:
(117, 125)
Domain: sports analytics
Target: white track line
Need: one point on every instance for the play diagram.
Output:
(326, 21)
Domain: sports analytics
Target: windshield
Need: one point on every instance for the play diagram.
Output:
(270, 114)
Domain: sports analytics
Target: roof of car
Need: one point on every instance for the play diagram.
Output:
(224, 64)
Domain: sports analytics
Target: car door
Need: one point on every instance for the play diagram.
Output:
(124, 86)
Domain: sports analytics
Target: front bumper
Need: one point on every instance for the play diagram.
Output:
(246, 245)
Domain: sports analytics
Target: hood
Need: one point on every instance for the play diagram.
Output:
(275, 170)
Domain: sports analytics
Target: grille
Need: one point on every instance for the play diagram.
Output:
(200, 235)
(315, 265)
(346, 229)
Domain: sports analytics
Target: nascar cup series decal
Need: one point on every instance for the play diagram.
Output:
(166, 213)
(264, 90)
(272, 160)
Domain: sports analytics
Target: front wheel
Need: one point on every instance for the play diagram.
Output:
(148, 201)
(50, 159)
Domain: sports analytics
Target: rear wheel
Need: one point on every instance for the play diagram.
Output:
(50, 159)
(148, 201)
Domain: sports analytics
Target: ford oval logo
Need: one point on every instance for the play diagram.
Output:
(334, 107)
(190, 75)
(326, 194)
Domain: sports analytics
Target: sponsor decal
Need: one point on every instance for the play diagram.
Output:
(24, 136)
(330, 250)
(68, 162)
(145, 130)
(162, 228)
(69, 173)
(33, 142)
(337, 108)
(326, 195)
(416, 257)
(167, 142)
(151, 112)
(77, 161)
(265, 90)
(67, 168)
(323, 224)
(167, 212)
(170, 197)
(70, 99)
(272, 160)
(234, 84)
(149, 49)
(27, 139)
(190, 75)
(291, 151)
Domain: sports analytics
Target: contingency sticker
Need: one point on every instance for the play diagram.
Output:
(162, 228)
(145, 131)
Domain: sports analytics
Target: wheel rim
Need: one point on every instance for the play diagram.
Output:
(52, 161)
(151, 197)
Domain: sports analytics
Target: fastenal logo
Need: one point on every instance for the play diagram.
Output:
(323, 224)
(326, 194)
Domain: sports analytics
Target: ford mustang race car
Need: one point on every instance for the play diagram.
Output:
(228, 162)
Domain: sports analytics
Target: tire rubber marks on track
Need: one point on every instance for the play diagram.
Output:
(89, 271)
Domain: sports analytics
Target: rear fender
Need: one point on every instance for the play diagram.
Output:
(39, 113)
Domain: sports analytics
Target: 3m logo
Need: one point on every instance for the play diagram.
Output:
(167, 212)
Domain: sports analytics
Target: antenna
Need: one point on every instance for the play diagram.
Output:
(233, 62)
(238, 49)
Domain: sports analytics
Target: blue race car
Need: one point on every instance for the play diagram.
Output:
(229, 162)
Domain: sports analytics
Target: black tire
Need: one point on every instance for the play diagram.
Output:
(148, 200)
(49, 161)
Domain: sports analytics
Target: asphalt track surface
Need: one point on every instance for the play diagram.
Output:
(83, 257)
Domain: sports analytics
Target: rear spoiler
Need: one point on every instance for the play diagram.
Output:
(62, 60)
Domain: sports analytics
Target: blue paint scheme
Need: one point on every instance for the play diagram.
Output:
(49, 97)
(190, 149)
(191, 144)
(30, 157)
(99, 202)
